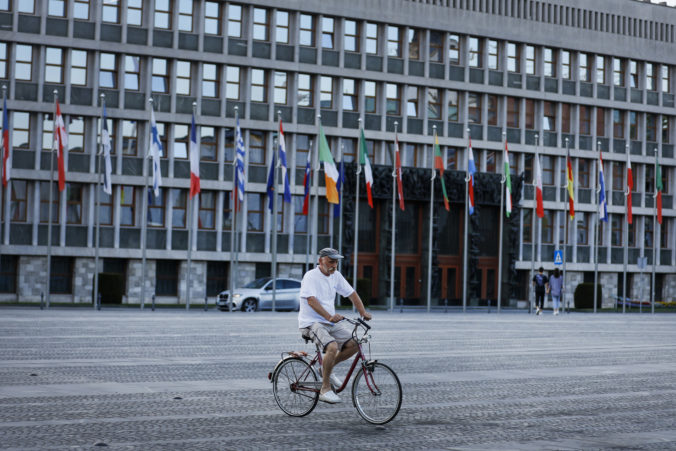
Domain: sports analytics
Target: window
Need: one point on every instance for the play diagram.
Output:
(618, 124)
(566, 72)
(549, 117)
(583, 171)
(8, 273)
(618, 72)
(47, 132)
(513, 57)
(370, 97)
(651, 127)
(393, 41)
(433, 103)
(258, 86)
(371, 38)
(111, 132)
(305, 90)
(185, 15)
(44, 202)
(183, 70)
(281, 85)
(633, 125)
(166, 277)
(307, 30)
(454, 49)
(234, 21)
(181, 139)
(436, 46)
(156, 208)
(350, 95)
(57, 8)
(282, 27)
(530, 114)
(260, 24)
(3, 60)
(633, 74)
(61, 275)
(302, 149)
(650, 77)
(666, 130)
(452, 158)
(53, 65)
(493, 54)
(513, 112)
(135, 12)
(547, 162)
(474, 108)
(490, 161)
(108, 71)
(618, 176)
(257, 148)
(328, 32)
(19, 202)
(412, 100)
(326, 93)
(300, 221)
(414, 43)
(81, 9)
(129, 138)
(565, 117)
(600, 122)
(666, 83)
(351, 36)
(616, 229)
(210, 80)
(530, 60)
(160, 75)
(212, 18)
(78, 67)
(208, 143)
(21, 130)
(217, 277)
(27, 6)
(410, 154)
(207, 210)
(179, 208)
(24, 62)
(132, 72)
(162, 14)
(453, 106)
(73, 203)
(76, 130)
(585, 120)
(233, 82)
(227, 211)
(127, 206)
(550, 62)
(475, 52)
(255, 213)
(600, 69)
(349, 150)
(583, 67)
(393, 99)
(111, 12)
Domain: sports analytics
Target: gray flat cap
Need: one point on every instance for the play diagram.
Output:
(331, 253)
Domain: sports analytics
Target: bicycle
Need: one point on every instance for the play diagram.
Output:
(376, 390)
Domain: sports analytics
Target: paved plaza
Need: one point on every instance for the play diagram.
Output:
(171, 379)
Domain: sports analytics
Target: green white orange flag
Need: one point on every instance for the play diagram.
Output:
(368, 174)
(659, 188)
(508, 182)
(439, 164)
(330, 171)
(569, 178)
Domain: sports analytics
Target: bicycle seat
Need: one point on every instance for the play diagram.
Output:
(305, 335)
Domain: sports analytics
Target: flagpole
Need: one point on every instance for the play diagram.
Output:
(315, 205)
(597, 200)
(2, 157)
(625, 241)
(275, 211)
(356, 221)
(656, 248)
(144, 221)
(309, 216)
(233, 223)
(191, 205)
(464, 250)
(429, 236)
(394, 216)
(503, 180)
(532, 231)
(565, 218)
(97, 200)
(51, 195)
(340, 212)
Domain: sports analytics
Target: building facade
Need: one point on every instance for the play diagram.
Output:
(541, 75)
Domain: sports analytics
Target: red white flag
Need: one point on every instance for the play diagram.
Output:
(6, 160)
(540, 209)
(60, 145)
(194, 161)
(400, 183)
(630, 186)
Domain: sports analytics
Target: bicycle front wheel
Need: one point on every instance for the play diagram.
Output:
(295, 387)
(376, 393)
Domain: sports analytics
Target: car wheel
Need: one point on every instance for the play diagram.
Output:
(249, 305)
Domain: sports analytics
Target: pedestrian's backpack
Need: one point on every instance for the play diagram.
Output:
(540, 280)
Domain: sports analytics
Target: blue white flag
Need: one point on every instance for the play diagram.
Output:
(105, 142)
(270, 189)
(239, 172)
(471, 170)
(603, 203)
(282, 159)
(155, 153)
(339, 184)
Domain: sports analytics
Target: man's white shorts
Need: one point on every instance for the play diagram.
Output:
(322, 334)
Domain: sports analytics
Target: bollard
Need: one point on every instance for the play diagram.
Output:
(98, 302)
(445, 305)
(401, 305)
(42, 300)
(489, 306)
(206, 302)
(153, 307)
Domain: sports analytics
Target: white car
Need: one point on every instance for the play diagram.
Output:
(257, 295)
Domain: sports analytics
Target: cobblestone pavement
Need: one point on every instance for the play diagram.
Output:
(130, 379)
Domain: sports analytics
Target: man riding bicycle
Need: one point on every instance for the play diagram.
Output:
(318, 320)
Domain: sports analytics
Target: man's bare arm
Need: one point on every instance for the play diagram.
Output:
(314, 303)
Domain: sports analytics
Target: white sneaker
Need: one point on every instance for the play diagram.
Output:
(329, 397)
(335, 381)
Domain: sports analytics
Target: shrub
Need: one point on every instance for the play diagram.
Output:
(111, 287)
(584, 296)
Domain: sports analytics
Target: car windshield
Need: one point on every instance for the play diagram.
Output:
(258, 283)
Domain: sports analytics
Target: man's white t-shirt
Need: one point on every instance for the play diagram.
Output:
(324, 288)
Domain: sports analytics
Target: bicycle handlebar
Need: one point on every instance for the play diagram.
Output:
(358, 321)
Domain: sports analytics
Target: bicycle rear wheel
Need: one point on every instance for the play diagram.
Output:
(294, 385)
(376, 393)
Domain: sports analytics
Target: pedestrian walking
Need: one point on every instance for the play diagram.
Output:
(556, 289)
(540, 284)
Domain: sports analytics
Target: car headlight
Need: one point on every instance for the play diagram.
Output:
(236, 296)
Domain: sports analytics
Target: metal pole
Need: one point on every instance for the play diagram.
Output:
(51, 194)
(97, 200)
(394, 216)
(625, 240)
(565, 218)
(233, 222)
(532, 231)
(429, 235)
(356, 220)
(597, 225)
(275, 212)
(191, 205)
(309, 216)
(340, 215)
(144, 220)
(503, 180)
(4, 112)
(464, 250)
(656, 248)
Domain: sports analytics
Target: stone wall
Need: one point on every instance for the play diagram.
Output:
(669, 289)
(32, 279)
(83, 280)
(198, 282)
(135, 279)
(609, 283)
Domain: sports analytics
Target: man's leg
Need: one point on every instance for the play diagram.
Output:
(332, 357)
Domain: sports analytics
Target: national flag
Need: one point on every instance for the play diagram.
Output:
(60, 143)
(471, 170)
(630, 186)
(571, 192)
(239, 166)
(368, 174)
(194, 160)
(540, 209)
(6, 161)
(155, 153)
(339, 184)
(270, 189)
(439, 164)
(397, 162)
(603, 203)
(282, 159)
(330, 171)
(659, 187)
(306, 184)
(107, 166)
(508, 183)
